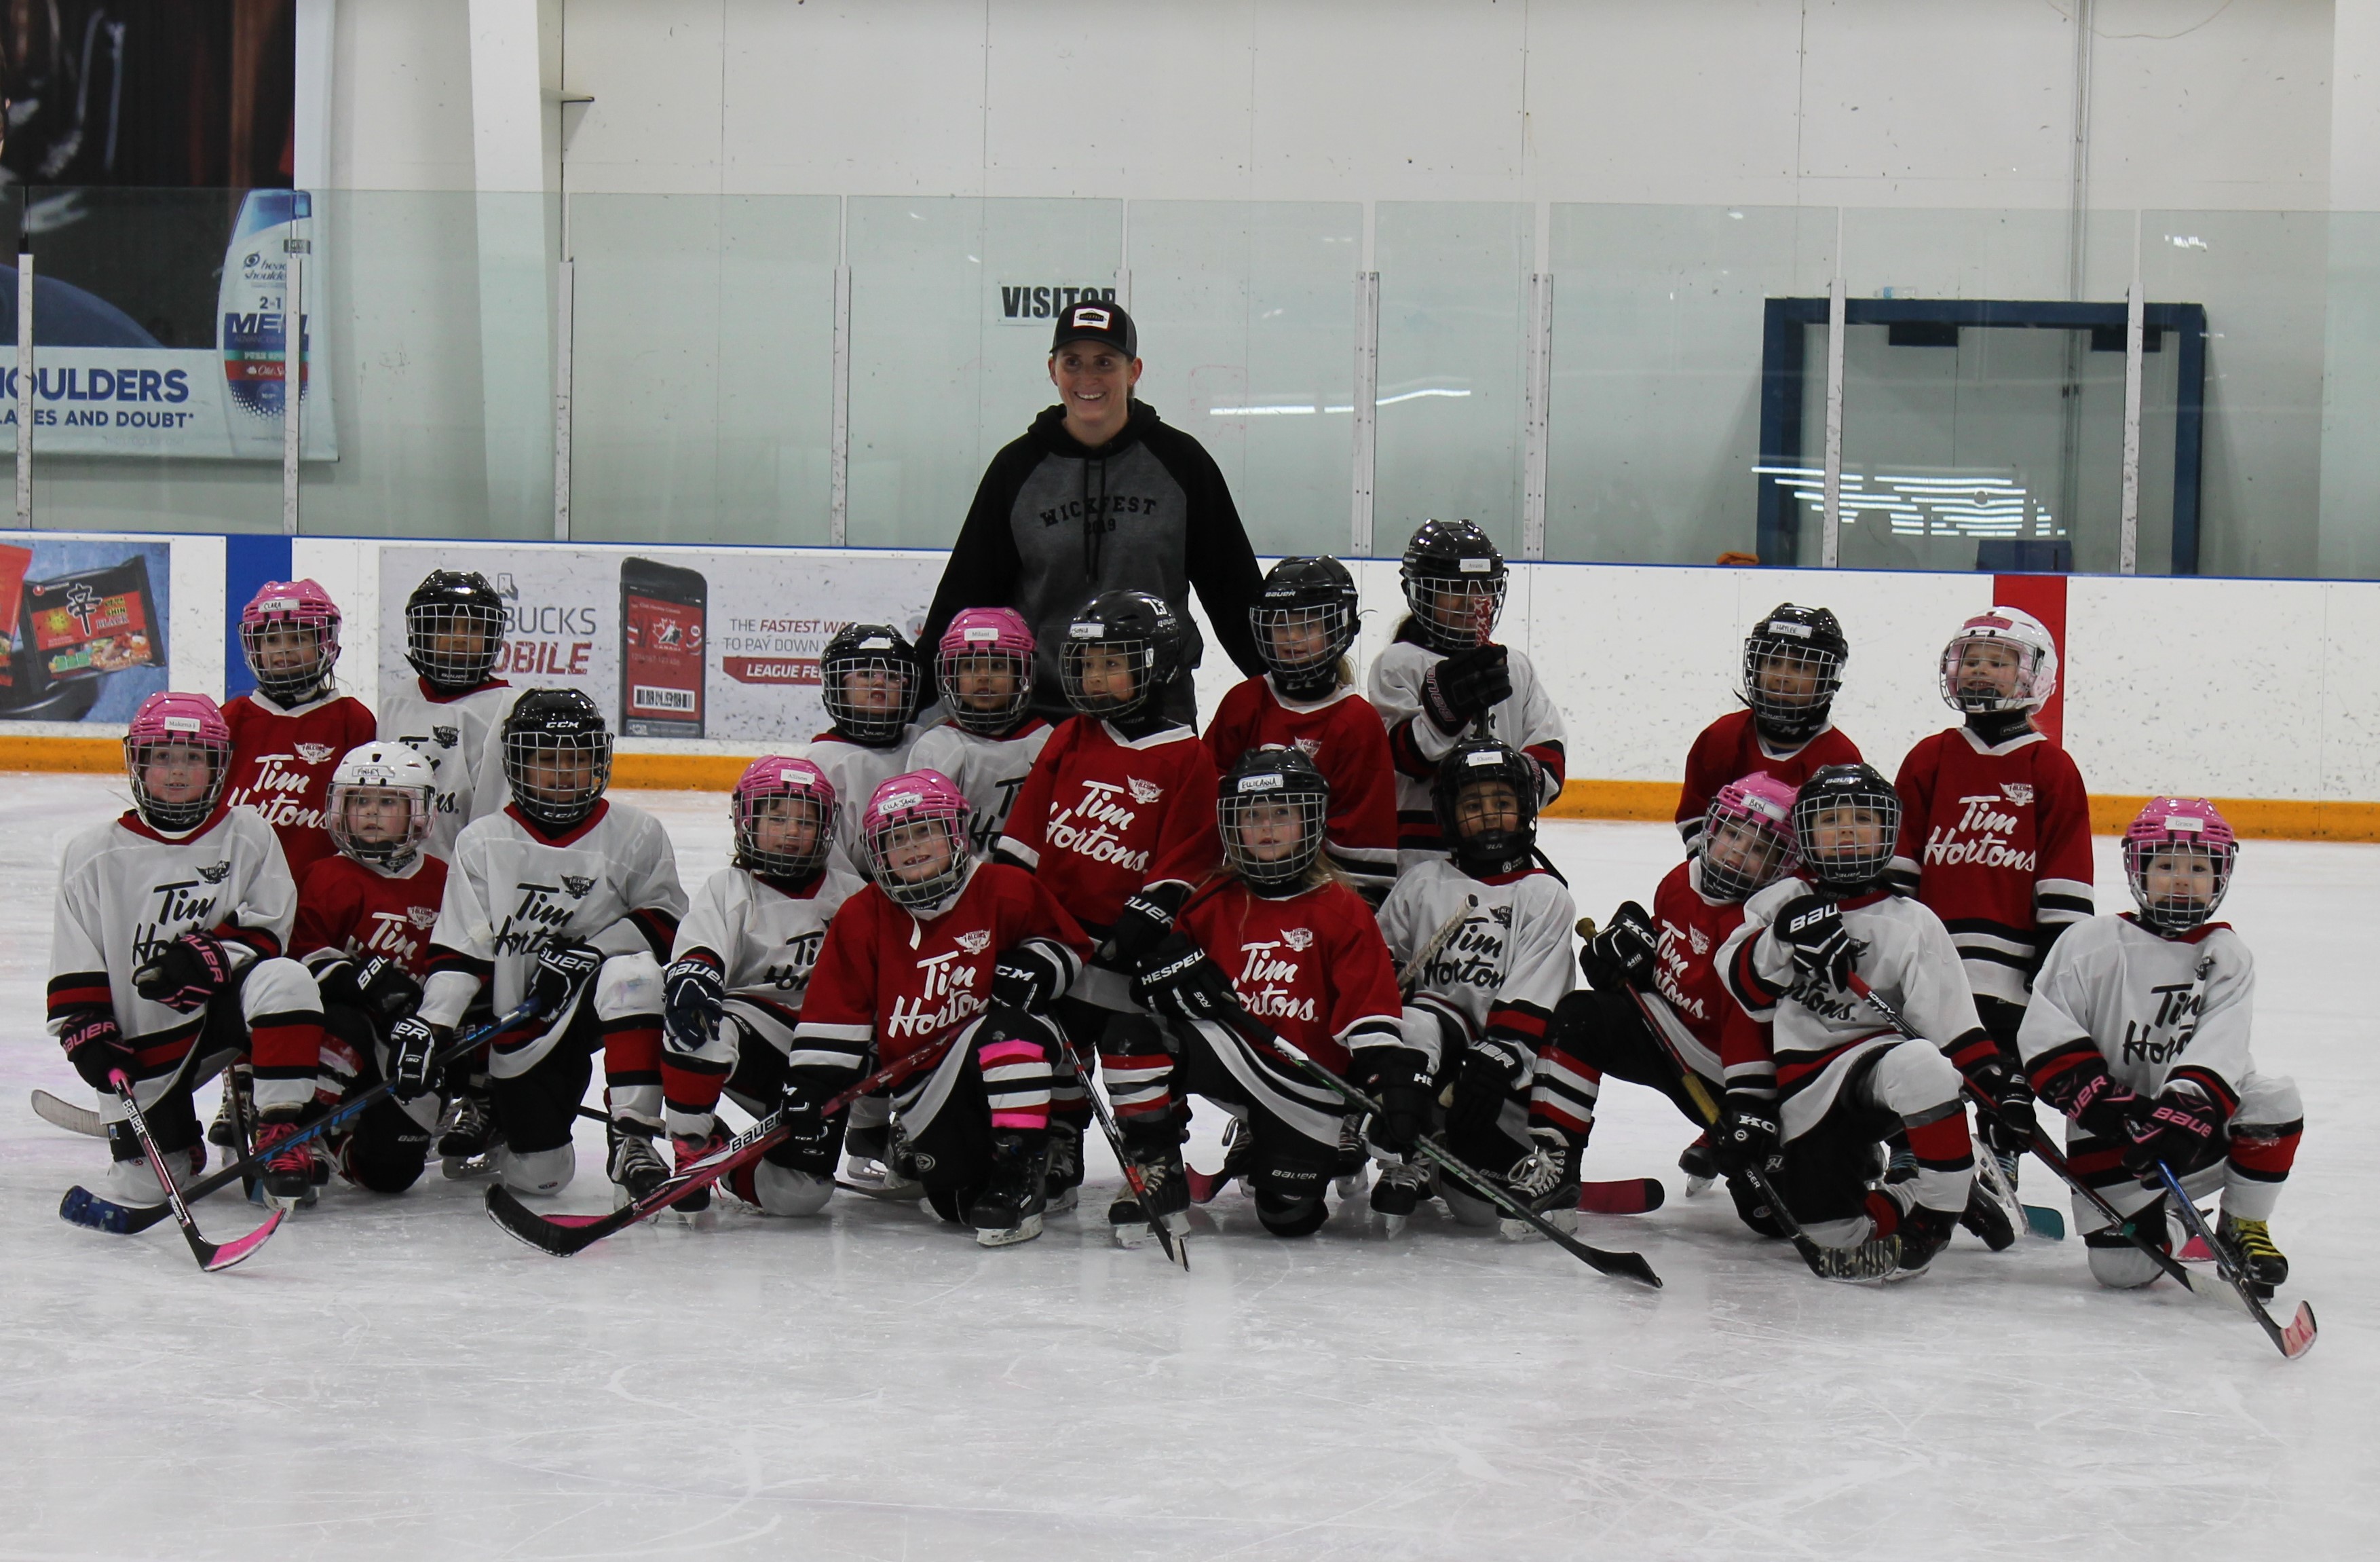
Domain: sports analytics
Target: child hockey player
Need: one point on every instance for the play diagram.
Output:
(568, 900)
(364, 916)
(1118, 820)
(985, 667)
(1443, 676)
(733, 994)
(1844, 1081)
(1995, 825)
(166, 957)
(288, 735)
(1281, 937)
(1483, 939)
(1793, 666)
(1305, 622)
(453, 713)
(1704, 1041)
(939, 945)
(2138, 1030)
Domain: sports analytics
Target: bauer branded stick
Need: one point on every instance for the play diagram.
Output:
(1175, 1240)
(82, 1207)
(1632, 1265)
(2293, 1341)
(211, 1256)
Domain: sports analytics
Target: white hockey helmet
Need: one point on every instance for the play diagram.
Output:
(378, 772)
(2036, 663)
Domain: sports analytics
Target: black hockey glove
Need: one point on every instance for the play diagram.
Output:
(1622, 951)
(413, 1045)
(1747, 1138)
(2177, 1127)
(1177, 979)
(809, 1142)
(2007, 1096)
(385, 990)
(1466, 686)
(1823, 949)
(95, 1047)
(1029, 977)
(1148, 916)
(1491, 1072)
(186, 974)
(1397, 1079)
(560, 971)
(694, 997)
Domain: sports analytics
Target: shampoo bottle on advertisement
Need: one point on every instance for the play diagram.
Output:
(250, 334)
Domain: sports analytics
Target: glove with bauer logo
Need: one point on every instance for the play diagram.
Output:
(95, 1047)
(694, 997)
(186, 974)
(1811, 927)
(561, 971)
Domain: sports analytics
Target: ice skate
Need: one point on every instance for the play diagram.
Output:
(1696, 1163)
(875, 1162)
(1155, 1150)
(1988, 1218)
(1399, 1190)
(288, 1179)
(1924, 1232)
(225, 1131)
(1062, 1185)
(2248, 1244)
(1353, 1161)
(467, 1138)
(635, 1168)
(688, 1151)
(1546, 1181)
(1008, 1209)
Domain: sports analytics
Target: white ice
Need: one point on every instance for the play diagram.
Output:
(398, 1378)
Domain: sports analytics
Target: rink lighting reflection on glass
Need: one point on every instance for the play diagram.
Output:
(1947, 504)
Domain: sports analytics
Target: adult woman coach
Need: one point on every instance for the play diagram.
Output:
(1101, 494)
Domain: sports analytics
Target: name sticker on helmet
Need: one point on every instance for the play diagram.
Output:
(1480, 757)
(1473, 566)
(1260, 783)
(1084, 631)
(280, 604)
(899, 799)
(984, 633)
(190, 724)
(2184, 823)
(1780, 627)
(876, 642)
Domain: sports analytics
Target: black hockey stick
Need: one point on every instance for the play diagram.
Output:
(82, 1207)
(1174, 1238)
(211, 1256)
(1632, 1265)
(2293, 1341)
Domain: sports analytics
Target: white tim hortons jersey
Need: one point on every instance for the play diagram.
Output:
(2153, 1006)
(513, 889)
(1906, 956)
(125, 891)
(989, 770)
(856, 771)
(463, 739)
(1528, 720)
(767, 941)
(1507, 961)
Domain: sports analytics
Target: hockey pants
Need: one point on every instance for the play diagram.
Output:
(383, 1148)
(2248, 1165)
(1291, 1122)
(1898, 1086)
(995, 1079)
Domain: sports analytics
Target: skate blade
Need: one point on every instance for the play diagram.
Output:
(1695, 1185)
(1025, 1231)
(1062, 1201)
(1563, 1221)
(461, 1168)
(1352, 1185)
(1393, 1225)
(1130, 1237)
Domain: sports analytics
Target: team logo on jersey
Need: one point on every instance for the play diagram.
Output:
(314, 753)
(1300, 938)
(217, 872)
(1143, 791)
(423, 916)
(975, 943)
(1983, 836)
(447, 736)
(1094, 826)
(1309, 747)
(2017, 792)
(1264, 978)
(1500, 915)
(577, 886)
(1699, 940)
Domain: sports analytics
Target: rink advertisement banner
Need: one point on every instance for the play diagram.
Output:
(702, 643)
(86, 628)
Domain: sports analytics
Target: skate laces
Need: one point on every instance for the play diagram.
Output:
(2252, 1238)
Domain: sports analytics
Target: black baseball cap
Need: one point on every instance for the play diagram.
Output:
(1097, 319)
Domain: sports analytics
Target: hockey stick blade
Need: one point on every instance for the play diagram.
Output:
(2043, 1221)
(1203, 1186)
(68, 1115)
(2294, 1340)
(1632, 1195)
(211, 1256)
(1171, 1231)
(1864, 1264)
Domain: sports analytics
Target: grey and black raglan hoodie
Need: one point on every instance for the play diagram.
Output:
(1054, 522)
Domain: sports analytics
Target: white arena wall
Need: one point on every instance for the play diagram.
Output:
(2258, 693)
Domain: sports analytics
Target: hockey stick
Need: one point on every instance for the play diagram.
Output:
(211, 1256)
(564, 1235)
(2293, 1341)
(68, 1115)
(1409, 974)
(1632, 1265)
(82, 1207)
(1174, 1238)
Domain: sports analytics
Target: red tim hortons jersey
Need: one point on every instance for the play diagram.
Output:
(360, 913)
(1697, 1014)
(281, 764)
(1102, 814)
(1345, 738)
(904, 981)
(1996, 840)
(1732, 748)
(1313, 966)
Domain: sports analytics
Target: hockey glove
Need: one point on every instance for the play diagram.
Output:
(2007, 1097)
(1747, 1138)
(1466, 686)
(560, 971)
(807, 1145)
(1177, 979)
(1493, 1069)
(1397, 1079)
(2178, 1129)
(1622, 951)
(1148, 916)
(1811, 927)
(413, 1046)
(95, 1047)
(694, 996)
(186, 974)
(385, 990)
(1029, 977)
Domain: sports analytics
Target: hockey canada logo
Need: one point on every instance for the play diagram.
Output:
(975, 943)
(1299, 938)
(1143, 791)
(577, 886)
(2017, 792)
(314, 753)
(215, 873)
(423, 916)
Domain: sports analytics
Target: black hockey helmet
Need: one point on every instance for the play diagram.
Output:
(1140, 627)
(1792, 664)
(557, 756)
(1493, 851)
(1451, 568)
(1310, 602)
(858, 649)
(450, 605)
(1263, 781)
(1846, 797)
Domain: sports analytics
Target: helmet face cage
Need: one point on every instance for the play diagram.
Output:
(897, 825)
(454, 643)
(1790, 683)
(1747, 842)
(776, 789)
(2036, 664)
(2188, 830)
(144, 749)
(274, 615)
(394, 851)
(1473, 764)
(959, 660)
(858, 715)
(1870, 810)
(1140, 661)
(557, 777)
(1325, 630)
(1286, 811)
(1455, 612)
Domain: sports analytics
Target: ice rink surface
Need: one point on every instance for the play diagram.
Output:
(398, 1378)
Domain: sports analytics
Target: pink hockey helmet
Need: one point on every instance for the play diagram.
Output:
(2189, 828)
(169, 733)
(1747, 836)
(762, 783)
(902, 816)
(291, 673)
(2036, 663)
(977, 635)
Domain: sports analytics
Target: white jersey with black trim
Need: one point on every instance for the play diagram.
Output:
(1528, 720)
(1504, 966)
(2151, 1005)
(767, 941)
(463, 739)
(856, 771)
(987, 770)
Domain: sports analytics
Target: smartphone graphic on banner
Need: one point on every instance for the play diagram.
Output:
(661, 611)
